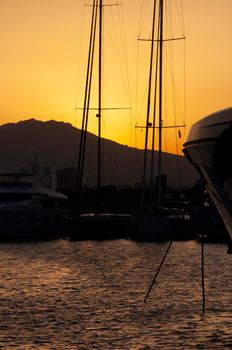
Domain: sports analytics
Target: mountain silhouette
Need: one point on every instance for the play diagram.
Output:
(56, 146)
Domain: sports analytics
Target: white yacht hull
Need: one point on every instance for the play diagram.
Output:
(201, 147)
(29, 210)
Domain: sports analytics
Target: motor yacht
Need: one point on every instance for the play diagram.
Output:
(208, 147)
(29, 209)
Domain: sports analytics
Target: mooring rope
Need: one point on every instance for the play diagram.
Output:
(156, 275)
(202, 274)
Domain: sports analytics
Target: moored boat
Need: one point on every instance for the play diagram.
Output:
(101, 226)
(158, 219)
(29, 210)
(98, 223)
(208, 147)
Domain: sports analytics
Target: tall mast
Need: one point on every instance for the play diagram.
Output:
(148, 106)
(160, 100)
(81, 157)
(158, 96)
(97, 10)
(99, 94)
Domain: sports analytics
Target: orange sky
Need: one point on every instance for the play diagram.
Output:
(43, 55)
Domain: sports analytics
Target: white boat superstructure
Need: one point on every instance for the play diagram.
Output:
(208, 146)
(28, 209)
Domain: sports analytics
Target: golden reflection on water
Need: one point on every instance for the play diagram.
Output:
(89, 295)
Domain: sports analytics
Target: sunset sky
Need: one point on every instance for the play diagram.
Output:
(43, 62)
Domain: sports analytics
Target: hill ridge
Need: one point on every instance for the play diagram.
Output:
(56, 145)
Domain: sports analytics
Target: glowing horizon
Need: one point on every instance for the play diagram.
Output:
(43, 63)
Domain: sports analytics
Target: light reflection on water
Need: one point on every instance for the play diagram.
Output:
(89, 295)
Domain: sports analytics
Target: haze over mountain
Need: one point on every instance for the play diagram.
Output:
(56, 146)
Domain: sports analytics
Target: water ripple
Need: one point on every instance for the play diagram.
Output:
(89, 295)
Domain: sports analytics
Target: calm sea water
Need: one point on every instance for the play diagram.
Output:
(89, 295)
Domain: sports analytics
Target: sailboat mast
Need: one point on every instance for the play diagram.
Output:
(148, 106)
(99, 93)
(81, 157)
(160, 101)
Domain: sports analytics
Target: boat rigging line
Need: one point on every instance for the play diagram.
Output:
(157, 273)
(96, 28)
(155, 78)
(80, 164)
(203, 274)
